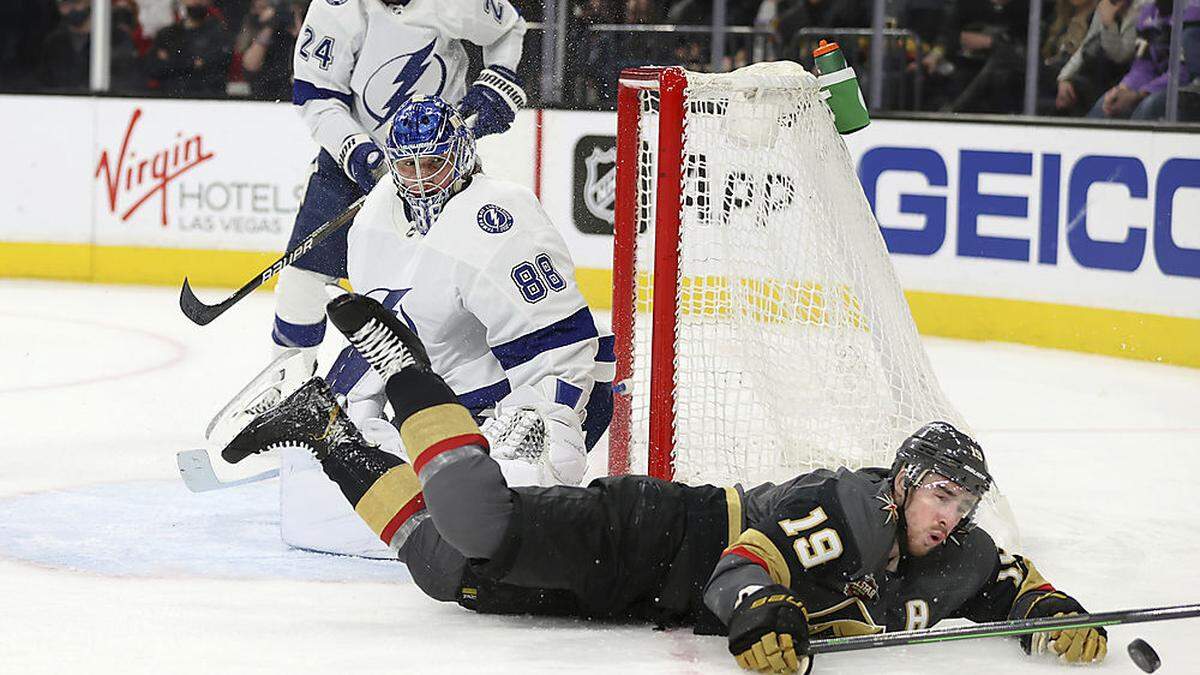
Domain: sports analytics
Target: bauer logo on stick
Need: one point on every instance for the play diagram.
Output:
(493, 219)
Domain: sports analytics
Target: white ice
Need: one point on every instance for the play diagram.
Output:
(107, 564)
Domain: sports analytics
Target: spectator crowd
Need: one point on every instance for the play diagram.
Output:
(1097, 58)
(180, 48)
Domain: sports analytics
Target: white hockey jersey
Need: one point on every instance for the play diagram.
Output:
(491, 292)
(357, 61)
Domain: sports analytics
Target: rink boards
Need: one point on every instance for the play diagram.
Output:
(1059, 236)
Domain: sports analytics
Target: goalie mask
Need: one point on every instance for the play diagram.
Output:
(431, 155)
(939, 448)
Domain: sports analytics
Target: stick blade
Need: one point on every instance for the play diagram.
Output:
(200, 313)
(195, 468)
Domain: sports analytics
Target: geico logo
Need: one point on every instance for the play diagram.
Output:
(1168, 226)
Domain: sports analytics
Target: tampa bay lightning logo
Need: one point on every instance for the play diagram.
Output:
(421, 72)
(390, 298)
(492, 218)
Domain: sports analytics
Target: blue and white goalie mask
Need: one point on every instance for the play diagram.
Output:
(431, 154)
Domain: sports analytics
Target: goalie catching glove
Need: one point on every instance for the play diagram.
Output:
(1072, 645)
(768, 632)
(526, 427)
(494, 99)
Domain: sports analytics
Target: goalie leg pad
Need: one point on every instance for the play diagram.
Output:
(314, 514)
(300, 300)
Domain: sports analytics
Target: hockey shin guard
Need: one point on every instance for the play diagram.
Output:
(300, 308)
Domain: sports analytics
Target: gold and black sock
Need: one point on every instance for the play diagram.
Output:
(382, 488)
(429, 416)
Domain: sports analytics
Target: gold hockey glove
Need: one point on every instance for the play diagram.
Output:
(1073, 645)
(768, 632)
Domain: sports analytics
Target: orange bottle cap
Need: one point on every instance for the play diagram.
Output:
(824, 47)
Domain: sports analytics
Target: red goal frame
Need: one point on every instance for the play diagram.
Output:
(670, 82)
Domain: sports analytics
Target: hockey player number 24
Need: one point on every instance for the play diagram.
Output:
(820, 546)
(324, 51)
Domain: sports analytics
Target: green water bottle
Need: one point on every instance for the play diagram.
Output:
(839, 88)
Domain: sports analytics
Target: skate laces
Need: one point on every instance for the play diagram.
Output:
(383, 350)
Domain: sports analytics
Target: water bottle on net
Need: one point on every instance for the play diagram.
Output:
(839, 88)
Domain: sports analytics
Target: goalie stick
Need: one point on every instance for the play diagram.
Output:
(202, 314)
(1001, 628)
(196, 470)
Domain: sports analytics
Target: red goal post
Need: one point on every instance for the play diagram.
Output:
(669, 83)
(760, 326)
(761, 330)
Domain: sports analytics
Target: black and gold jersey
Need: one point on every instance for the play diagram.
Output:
(828, 536)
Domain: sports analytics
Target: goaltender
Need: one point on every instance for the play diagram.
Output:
(828, 553)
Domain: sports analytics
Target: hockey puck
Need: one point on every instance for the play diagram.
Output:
(1144, 655)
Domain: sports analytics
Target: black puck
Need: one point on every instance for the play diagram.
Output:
(1144, 655)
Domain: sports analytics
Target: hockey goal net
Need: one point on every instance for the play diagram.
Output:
(761, 329)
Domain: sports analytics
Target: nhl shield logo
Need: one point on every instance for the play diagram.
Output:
(594, 184)
(600, 185)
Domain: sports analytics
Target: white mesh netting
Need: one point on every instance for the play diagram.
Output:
(795, 346)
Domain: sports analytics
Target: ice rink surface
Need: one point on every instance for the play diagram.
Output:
(108, 564)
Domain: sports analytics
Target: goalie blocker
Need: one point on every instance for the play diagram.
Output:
(851, 552)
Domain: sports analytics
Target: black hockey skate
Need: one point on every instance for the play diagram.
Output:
(310, 418)
(378, 334)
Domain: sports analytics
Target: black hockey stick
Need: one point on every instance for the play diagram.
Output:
(1001, 628)
(202, 314)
